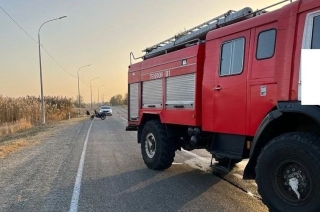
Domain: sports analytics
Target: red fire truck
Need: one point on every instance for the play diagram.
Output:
(232, 86)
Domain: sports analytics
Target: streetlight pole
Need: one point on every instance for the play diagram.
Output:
(99, 92)
(79, 87)
(103, 91)
(91, 90)
(103, 96)
(43, 120)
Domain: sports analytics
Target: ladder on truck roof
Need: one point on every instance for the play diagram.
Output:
(198, 33)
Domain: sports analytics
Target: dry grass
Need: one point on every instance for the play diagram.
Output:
(12, 147)
(21, 113)
(10, 128)
(20, 121)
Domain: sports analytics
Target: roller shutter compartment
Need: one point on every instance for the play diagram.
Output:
(134, 106)
(180, 91)
(152, 94)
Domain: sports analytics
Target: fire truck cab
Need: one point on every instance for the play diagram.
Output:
(232, 86)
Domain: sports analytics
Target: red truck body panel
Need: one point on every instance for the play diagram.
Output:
(169, 65)
(232, 86)
(239, 106)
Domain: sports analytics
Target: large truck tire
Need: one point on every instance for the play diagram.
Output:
(158, 151)
(288, 173)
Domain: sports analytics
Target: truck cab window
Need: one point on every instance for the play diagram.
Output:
(232, 55)
(266, 44)
(316, 33)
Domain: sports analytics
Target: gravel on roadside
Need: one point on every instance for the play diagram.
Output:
(32, 136)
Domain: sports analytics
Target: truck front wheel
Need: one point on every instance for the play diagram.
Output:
(158, 151)
(288, 173)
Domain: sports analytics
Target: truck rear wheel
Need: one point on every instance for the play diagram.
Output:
(288, 173)
(158, 151)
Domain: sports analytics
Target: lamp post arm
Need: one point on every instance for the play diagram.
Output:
(49, 21)
(82, 67)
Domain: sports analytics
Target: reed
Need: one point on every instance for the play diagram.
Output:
(21, 113)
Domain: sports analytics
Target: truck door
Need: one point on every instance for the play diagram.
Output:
(230, 84)
(311, 37)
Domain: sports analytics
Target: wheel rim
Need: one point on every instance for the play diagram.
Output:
(150, 145)
(294, 182)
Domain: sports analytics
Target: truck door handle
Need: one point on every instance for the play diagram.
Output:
(217, 87)
(178, 106)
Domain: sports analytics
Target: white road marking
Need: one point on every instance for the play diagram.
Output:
(77, 185)
(120, 116)
(195, 155)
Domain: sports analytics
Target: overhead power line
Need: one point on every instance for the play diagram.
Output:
(57, 62)
(18, 25)
(37, 43)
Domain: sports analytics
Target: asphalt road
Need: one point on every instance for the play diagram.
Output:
(97, 166)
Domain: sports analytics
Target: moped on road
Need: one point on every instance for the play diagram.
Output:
(101, 115)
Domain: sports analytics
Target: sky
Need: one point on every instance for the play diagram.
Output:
(100, 32)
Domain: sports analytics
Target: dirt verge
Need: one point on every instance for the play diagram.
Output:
(30, 137)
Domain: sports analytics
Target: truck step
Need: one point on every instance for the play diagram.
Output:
(223, 169)
(220, 169)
